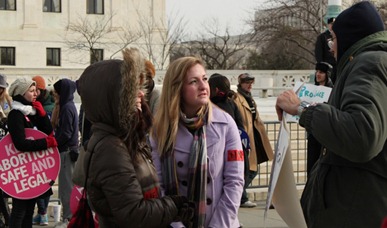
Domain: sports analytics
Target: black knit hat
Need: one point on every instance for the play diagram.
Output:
(324, 67)
(354, 24)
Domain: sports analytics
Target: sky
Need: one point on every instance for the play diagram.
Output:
(231, 13)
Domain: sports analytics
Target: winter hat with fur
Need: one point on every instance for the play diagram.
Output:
(20, 86)
(40, 82)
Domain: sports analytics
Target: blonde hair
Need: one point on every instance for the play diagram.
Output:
(166, 120)
(5, 98)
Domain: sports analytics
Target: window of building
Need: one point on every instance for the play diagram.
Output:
(7, 56)
(96, 55)
(95, 6)
(52, 6)
(7, 4)
(53, 56)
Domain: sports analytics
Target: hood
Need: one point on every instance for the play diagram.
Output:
(355, 23)
(109, 89)
(66, 89)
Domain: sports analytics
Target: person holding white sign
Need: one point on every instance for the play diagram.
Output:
(322, 78)
(348, 186)
(27, 113)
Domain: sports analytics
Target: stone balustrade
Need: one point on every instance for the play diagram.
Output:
(267, 82)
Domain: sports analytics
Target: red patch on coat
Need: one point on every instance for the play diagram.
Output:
(235, 155)
(151, 194)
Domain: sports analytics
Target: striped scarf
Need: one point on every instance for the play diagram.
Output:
(197, 170)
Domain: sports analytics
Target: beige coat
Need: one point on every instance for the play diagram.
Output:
(248, 124)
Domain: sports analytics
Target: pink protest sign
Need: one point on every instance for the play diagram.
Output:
(26, 175)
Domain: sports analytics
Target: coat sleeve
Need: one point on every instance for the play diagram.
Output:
(357, 129)
(16, 129)
(65, 130)
(226, 212)
(119, 183)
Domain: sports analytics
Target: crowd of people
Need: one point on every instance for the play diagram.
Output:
(175, 157)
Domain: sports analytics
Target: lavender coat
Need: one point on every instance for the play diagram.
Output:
(225, 173)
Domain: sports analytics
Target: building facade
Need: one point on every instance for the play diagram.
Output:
(47, 36)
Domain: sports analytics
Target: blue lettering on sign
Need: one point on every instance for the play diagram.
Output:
(306, 93)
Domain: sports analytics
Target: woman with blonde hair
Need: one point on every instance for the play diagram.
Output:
(5, 98)
(196, 147)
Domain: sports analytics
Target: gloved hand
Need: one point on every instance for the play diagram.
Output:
(74, 155)
(186, 209)
(39, 108)
(51, 142)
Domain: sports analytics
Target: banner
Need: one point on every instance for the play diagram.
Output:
(282, 187)
(311, 94)
(26, 175)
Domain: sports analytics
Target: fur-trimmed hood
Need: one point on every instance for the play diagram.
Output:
(109, 89)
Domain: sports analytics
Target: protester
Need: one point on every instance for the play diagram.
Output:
(122, 184)
(222, 95)
(27, 113)
(65, 122)
(260, 147)
(152, 96)
(5, 99)
(5, 107)
(322, 78)
(322, 51)
(44, 95)
(45, 98)
(196, 147)
(348, 186)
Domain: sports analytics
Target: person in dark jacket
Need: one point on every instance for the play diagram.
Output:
(27, 113)
(322, 51)
(322, 78)
(122, 183)
(348, 186)
(65, 121)
(222, 95)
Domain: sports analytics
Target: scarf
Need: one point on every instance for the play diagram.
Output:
(249, 100)
(197, 167)
(25, 109)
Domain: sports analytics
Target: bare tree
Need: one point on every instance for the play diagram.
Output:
(218, 48)
(292, 25)
(86, 34)
(160, 38)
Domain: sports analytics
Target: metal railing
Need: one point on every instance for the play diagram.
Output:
(298, 139)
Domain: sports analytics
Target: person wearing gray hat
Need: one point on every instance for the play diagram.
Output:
(27, 113)
(5, 101)
(260, 148)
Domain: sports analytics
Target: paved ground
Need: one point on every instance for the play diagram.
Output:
(249, 217)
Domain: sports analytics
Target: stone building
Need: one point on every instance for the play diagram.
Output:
(46, 36)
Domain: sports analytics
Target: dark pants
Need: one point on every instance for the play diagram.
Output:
(4, 209)
(42, 204)
(249, 177)
(22, 212)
